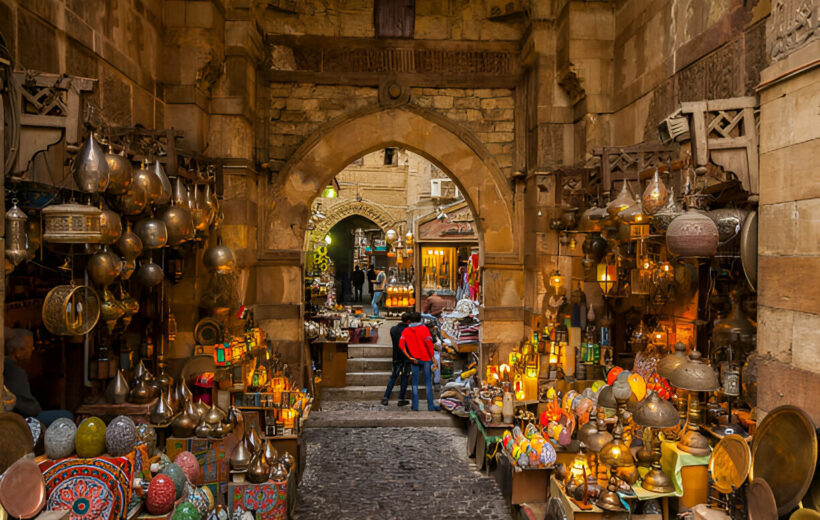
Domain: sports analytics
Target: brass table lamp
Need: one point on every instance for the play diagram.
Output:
(656, 413)
(696, 376)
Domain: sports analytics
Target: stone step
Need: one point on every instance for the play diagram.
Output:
(366, 393)
(369, 351)
(369, 364)
(392, 417)
(367, 378)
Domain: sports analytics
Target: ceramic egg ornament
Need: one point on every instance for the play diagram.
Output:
(120, 436)
(159, 499)
(175, 473)
(190, 466)
(59, 438)
(186, 511)
(90, 439)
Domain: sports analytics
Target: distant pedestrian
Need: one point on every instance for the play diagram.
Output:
(378, 290)
(371, 277)
(417, 344)
(358, 281)
(434, 304)
(401, 364)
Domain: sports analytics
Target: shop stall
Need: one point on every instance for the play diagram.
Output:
(447, 258)
(162, 396)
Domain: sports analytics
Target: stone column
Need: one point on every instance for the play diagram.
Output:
(788, 347)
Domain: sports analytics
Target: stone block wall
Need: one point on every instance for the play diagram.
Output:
(788, 348)
(118, 42)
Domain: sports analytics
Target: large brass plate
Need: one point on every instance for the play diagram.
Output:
(729, 463)
(784, 453)
(22, 490)
(748, 248)
(17, 439)
(760, 502)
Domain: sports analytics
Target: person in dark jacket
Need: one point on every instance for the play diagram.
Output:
(401, 365)
(357, 278)
(417, 344)
(371, 277)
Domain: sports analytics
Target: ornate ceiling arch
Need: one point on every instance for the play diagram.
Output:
(335, 214)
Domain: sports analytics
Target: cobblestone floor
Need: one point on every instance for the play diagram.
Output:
(394, 473)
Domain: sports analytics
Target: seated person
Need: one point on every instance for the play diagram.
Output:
(19, 346)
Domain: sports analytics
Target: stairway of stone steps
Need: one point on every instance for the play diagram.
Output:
(359, 405)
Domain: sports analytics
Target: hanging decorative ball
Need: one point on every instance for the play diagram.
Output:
(120, 436)
(390, 236)
(190, 466)
(59, 439)
(692, 234)
(90, 439)
(91, 168)
(159, 499)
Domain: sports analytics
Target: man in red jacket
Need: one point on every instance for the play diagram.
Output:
(417, 345)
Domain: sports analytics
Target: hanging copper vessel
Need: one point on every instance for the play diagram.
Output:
(103, 267)
(150, 183)
(16, 240)
(129, 245)
(72, 224)
(90, 167)
(120, 172)
(165, 194)
(110, 226)
(200, 213)
(117, 390)
(219, 258)
(150, 274)
(110, 310)
(135, 199)
(177, 218)
(621, 202)
(152, 232)
(162, 411)
(692, 234)
(240, 457)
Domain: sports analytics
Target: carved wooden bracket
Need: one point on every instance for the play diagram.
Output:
(49, 109)
(625, 162)
(725, 132)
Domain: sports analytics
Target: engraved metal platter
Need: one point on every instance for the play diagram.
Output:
(17, 439)
(760, 502)
(729, 463)
(22, 490)
(784, 453)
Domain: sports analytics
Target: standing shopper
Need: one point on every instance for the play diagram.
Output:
(378, 290)
(358, 281)
(401, 365)
(417, 344)
(371, 277)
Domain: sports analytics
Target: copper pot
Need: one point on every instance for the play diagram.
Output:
(110, 226)
(150, 274)
(129, 244)
(135, 199)
(103, 267)
(150, 183)
(219, 258)
(90, 167)
(152, 232)
(179, 224)
(120, 172)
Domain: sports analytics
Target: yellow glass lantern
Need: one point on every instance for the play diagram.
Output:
(556, 280)
(278, 385)
(607, 276)
(288, 417)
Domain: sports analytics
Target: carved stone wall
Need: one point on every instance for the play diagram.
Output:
(793, 24)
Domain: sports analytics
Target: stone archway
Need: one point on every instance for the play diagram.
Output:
(454, 149)
(335, 214)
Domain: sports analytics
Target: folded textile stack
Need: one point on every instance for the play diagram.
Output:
(462, 330)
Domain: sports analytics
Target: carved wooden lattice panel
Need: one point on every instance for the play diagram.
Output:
(725, 132)
(625, 162)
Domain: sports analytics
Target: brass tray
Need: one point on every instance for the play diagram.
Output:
(22, 490)
(729, 463)
(760, 502)
(17, 439)
(784, 453)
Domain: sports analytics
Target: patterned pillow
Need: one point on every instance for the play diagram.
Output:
(91, 489)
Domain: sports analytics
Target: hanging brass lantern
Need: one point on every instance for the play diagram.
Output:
(91, 167)
(72, 224)
(16, 239)
(621, 202)
(120, 172)
(655, 195)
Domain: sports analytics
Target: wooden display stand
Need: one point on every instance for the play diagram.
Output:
(334, 363)
(521, 485)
